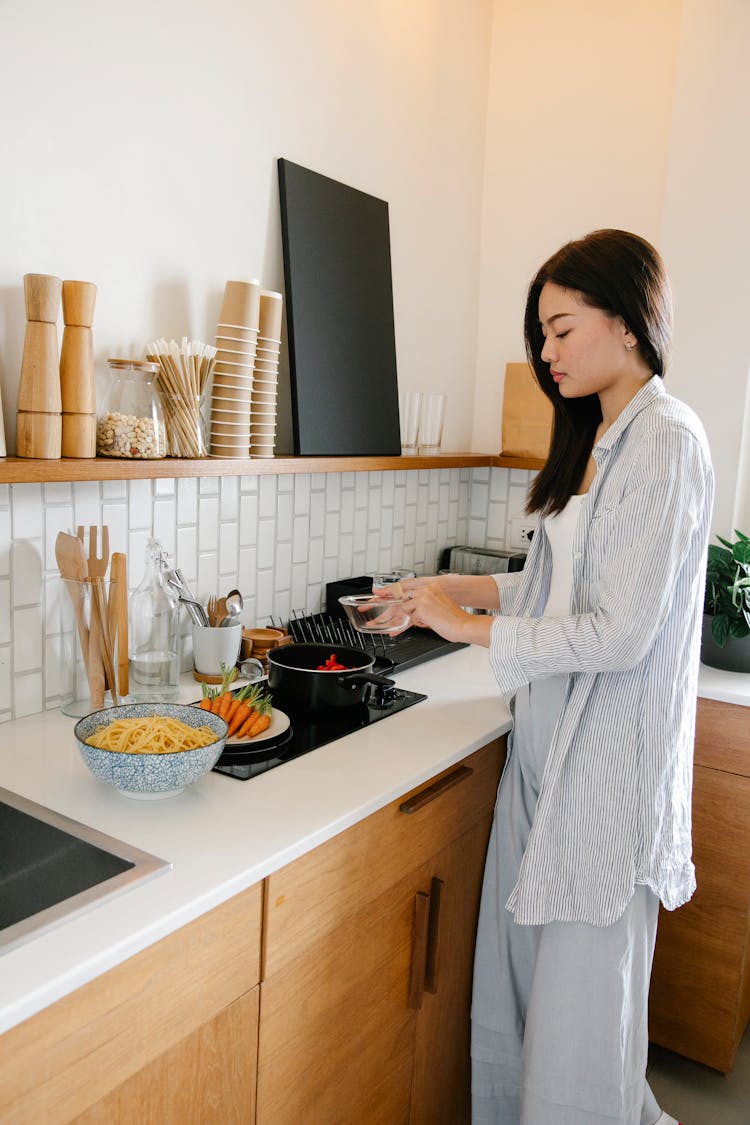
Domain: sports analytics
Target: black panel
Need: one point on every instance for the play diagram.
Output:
(339, 297)
(41, 866)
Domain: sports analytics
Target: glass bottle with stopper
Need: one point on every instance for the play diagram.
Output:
(154, 633)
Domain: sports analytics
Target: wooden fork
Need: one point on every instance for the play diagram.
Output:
(97, 565)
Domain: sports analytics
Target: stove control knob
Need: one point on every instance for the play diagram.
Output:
(385, 695)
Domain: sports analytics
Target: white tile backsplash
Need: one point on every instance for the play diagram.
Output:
(277, 538)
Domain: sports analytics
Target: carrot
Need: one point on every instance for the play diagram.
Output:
(241, 715)
(258, 726)
(205, 703)
(242, 704)
(235, 702)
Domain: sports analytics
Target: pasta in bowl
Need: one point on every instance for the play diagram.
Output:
(150, 750)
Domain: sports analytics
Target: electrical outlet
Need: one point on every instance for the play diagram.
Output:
(521, 531)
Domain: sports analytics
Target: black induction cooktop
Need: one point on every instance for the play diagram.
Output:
(309, 730)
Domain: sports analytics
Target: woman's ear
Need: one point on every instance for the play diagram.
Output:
(628, 338)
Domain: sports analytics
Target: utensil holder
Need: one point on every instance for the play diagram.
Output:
(214, 647)
(80, 669)
(186, 431)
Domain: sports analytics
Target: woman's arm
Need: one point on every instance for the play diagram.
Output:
(647, 548)
(477, 591)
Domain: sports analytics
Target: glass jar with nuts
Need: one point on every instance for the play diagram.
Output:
(132, 421)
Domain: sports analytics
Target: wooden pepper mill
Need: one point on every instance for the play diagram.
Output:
(77, 383)
(39, 417)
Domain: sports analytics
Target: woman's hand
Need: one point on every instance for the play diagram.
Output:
(429, 605)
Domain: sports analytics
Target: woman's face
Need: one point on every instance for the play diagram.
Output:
(584, 347)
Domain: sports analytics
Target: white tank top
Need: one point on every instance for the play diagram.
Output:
(560, 529)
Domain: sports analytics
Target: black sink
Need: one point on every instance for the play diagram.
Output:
(52, 867)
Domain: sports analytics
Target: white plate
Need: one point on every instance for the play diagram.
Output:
(279, 723)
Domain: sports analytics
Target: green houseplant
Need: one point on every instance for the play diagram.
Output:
(726, 622)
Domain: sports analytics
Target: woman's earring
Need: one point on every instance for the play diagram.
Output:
(629, 347)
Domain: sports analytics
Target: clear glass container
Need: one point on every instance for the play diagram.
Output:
(154, 631)
(131, 423)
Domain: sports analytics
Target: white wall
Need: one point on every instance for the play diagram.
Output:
(578, 127)
(634, 114)
(706, 239)
(139, 152)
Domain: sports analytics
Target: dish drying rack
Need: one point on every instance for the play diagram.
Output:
(393, 653)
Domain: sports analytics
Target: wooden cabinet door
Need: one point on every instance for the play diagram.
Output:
(441, 1085)
(350, 939)
(206, 1079)
(700, 985)
(699, 1003)
(337, 1033)
(167, 1014)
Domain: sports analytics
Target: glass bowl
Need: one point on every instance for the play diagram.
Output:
(383, 616)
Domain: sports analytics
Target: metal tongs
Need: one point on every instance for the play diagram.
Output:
(175, 579)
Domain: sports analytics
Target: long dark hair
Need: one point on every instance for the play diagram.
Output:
(623, 275)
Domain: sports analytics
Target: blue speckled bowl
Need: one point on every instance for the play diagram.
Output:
(150, 775)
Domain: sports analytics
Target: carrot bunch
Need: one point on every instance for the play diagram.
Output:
(247, 712)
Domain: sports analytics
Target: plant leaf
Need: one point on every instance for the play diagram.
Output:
(720, 629)
(741, 552)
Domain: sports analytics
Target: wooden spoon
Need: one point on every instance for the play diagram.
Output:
(118, 606)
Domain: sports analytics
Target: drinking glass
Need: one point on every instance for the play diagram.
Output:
(408, 411)
(431, 419)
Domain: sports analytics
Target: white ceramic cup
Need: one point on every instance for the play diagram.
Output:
(214, 647)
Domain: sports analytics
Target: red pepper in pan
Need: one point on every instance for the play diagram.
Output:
(331, 665)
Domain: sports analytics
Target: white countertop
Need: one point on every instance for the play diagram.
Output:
(727, 687)
(222, 835)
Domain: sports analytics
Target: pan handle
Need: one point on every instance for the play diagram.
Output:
(353, 680)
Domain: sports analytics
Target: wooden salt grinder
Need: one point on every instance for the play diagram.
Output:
(77, 384)
(39, 417)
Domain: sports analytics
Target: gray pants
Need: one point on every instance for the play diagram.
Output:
(559, 1012)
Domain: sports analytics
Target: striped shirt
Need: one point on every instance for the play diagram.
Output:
(615, 803)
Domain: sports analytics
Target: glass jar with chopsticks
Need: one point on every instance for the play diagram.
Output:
(183, 373)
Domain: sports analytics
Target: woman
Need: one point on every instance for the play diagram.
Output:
(596, 646)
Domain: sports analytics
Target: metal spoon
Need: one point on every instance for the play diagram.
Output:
(234, 603)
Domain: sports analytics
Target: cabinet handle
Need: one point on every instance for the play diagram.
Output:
(419, 800)
(433, 936)
(419, 948)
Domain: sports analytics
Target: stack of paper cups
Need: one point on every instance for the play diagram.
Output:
(266, 376)
(236, 342)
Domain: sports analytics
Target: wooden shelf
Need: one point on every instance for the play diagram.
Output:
(20, 470)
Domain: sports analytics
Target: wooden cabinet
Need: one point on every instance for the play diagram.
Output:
(368, 958)
(700, 986)
(169, 1036)
(338, 991)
